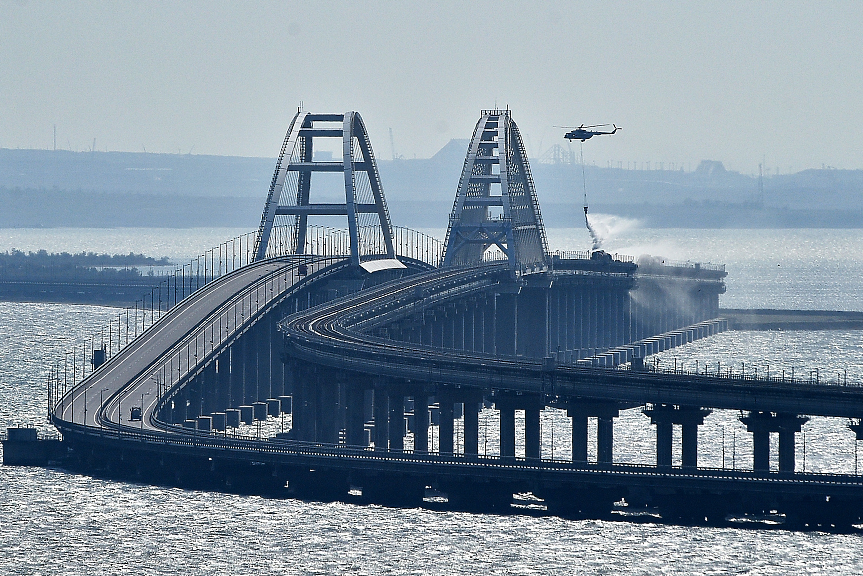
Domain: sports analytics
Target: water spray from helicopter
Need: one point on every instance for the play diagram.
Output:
(597, 242)
(584, 133)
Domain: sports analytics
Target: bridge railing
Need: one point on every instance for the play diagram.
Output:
(183, 437)
(730, 372)
(328, 241)
(89, 353)
(649, 261)
(586, 254)
(183, 361)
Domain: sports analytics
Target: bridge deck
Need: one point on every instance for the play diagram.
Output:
(169, 350)
(331, 334)
(335, 335)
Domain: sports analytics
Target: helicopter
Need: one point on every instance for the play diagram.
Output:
(585, 132)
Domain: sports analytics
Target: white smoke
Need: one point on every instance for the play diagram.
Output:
(604, 228)
(597, 241)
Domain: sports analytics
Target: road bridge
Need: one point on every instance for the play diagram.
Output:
(371, 337)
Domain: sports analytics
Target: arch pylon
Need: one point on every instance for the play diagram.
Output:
(288, 202)
(496, 203)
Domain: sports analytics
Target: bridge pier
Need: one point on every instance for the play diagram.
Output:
(355, 417)
(236, 375)
(532, 406)
(532, 321)
(421, 421)
(506, 323)
(449, 325)
(277, 367)
(193, 409)
(381, 417)
(397, 420)
(263, 362)
(446, 426)
(761, 424)
(209, 386)
(250, 367)
(468, 314)
(507, 428)
(665, 416)
(327, 429)
(471, 424)
(223, 374)
(488, 318)
(605, 413)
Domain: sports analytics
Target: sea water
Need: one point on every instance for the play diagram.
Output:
(54, 522)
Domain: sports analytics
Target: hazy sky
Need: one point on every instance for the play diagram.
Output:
(731, 81)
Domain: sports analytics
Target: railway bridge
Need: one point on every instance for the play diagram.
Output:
(374, 341)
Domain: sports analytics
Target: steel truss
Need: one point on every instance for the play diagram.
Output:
(288, 203)
(496, 204)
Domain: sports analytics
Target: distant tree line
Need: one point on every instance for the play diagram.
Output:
(17, 265)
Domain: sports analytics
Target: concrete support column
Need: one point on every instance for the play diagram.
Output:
(554, 322)
(602, 316)
(397, 420)
(506, 324)
(355, 425)
(277, 367)
(381, 419)
(250, 367)
(760, 450)
(448, 320)
(468, 316)
(427, 329)
(604, 440)
(786, 450)
(532, 440)
(489, 331)
(507, 431)
(421, 422)
(327, 429)
(579, 435)
(605, 413)
(664, 431)
(446, 427)
(223, 371)
(689, 444)
(471, 426)
(664, 416)
(761, 424)
(579, 319)
(210, 383)
(264, 363)
(178, 411)
(532, 321)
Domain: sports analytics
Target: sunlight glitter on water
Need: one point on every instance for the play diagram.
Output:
(52, 522)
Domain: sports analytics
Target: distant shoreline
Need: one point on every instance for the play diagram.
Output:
(126, 189)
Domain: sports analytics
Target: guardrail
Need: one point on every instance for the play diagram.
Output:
(688, 264)
(185, 438)
(82, 359)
